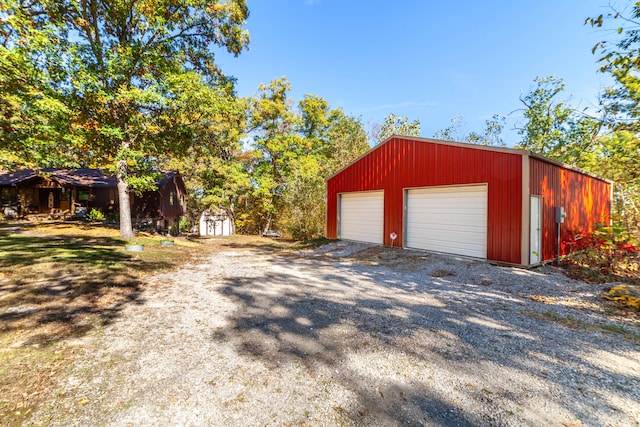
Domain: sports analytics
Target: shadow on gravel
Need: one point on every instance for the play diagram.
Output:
(321, 318)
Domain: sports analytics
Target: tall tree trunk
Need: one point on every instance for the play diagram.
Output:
(231, 212)
(268, 226)
(126, 228)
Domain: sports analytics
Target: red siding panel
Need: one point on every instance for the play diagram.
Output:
(403, 163)
(587, 201)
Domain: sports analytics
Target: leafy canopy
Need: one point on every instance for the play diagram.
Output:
(553, 127)
(293, 151)
(620, 58)
(127, 78)
(396, 125)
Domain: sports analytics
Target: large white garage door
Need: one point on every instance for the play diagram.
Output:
(362, 216)
(448, 219)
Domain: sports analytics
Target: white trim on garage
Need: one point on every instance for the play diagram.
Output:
(526, 205)
(450, 219)
(361, 216)
(535, 239)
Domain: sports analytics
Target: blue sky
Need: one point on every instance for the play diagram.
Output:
(427, 60)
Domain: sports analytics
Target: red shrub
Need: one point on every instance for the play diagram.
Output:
(607, 249)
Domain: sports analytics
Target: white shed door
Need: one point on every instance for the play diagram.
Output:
(448, 219)
(362, 216)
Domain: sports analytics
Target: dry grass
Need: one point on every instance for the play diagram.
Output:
(391, 257)
(574, 323)
(62, 281)
(622, 295)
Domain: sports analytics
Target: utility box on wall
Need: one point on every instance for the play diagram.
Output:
(560, 214)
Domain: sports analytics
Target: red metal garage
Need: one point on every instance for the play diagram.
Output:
(487, 202)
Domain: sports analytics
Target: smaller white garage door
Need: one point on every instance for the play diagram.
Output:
(362, 216)
(448, 219)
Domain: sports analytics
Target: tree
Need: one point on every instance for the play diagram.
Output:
(453, 132)
(294, 151)
(273, 124)
(335, 137)
(333, 140)
(616, 157)
(346, 141)
(554, 128)
(616, 154)
(213, 167)
(132, 73)
(492, 133)
(34, 120)
(396, 125)
(621, 59)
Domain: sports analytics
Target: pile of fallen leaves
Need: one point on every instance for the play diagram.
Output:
(624, 295)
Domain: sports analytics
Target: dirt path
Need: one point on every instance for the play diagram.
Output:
(252, 337)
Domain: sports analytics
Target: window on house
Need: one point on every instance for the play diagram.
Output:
(65, 194)
(172, 198)
(83, 195)
(8, 195)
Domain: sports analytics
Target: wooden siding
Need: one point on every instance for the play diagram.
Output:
(586, 200)
(172, 211)
(402, 163)
(33, 191)
(158, 204)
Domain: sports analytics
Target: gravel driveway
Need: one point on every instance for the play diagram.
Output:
(349, 334)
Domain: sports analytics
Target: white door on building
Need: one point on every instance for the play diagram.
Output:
(450, 219)
(535, 239)
(361, 216)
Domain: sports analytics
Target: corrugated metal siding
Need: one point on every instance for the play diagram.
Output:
(403, 163)
(587, 201)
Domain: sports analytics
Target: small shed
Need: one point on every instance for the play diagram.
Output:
(215, 223)
(491, 203)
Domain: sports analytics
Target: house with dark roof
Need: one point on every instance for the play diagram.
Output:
(71, 191)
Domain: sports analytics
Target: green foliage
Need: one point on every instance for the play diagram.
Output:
(345, 141)
(453, 132)
(620, 58)
(184, 225)
(293, 152)
(34, 120)
(95, 215)
(491, 134)
(396, 125)
(616, 156)
(136, 76)
(554, 128)
(213, 168)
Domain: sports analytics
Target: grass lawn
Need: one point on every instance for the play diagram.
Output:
(60, 282)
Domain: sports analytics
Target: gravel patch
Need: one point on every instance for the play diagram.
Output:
(351, 334)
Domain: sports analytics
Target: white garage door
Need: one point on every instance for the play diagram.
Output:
(448, 219)
(362, 216)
